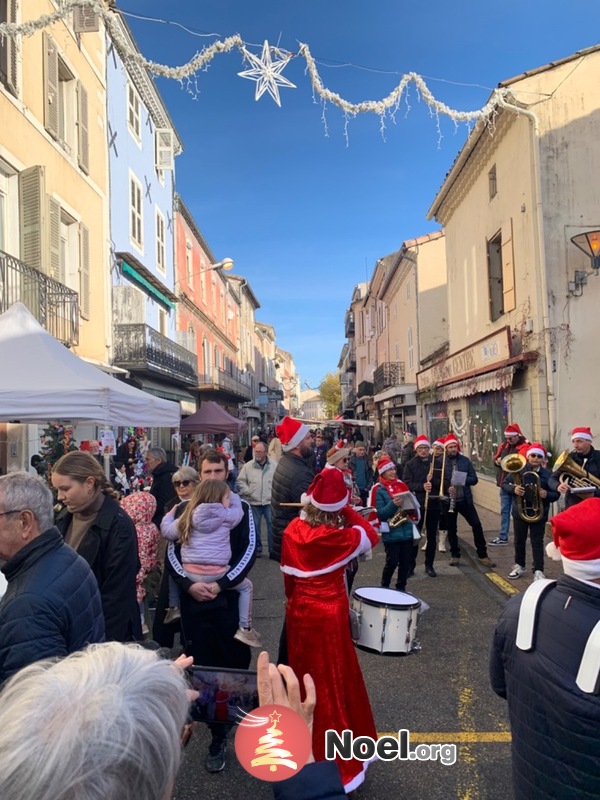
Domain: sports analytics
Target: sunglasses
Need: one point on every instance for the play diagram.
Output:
(177, 484)
(535, 455)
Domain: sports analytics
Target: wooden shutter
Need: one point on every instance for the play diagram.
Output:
(85, 20)
(164, 148)
(9, 48)
(84, 271)
(83, 144)
(508, 269)
(51, 96)
(32, 213)
(54, 265)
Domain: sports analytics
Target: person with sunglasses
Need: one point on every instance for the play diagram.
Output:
(514, 484)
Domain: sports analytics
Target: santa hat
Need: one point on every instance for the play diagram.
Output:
(438, 443)
(337, 454)
(513, 430)
(576, 540)
(290, 432)
(422, 441)
(535, 448)
(328, 491)
(582, 433)
(451, 439)
(385, 463)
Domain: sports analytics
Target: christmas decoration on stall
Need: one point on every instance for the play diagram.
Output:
(57, 440)
(266, 71)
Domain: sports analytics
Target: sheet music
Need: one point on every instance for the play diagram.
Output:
(459, 478)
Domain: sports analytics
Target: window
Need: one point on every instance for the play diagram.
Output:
(160, 242)
(501, 273)
(189, 267)
(206, 358)
(135, 212)
(411, 352)
(162, 322)
(493, 186)
(408, 291)
(8, 48)
(203, 280)
(487, 419)
(217, 359)
(134, 113)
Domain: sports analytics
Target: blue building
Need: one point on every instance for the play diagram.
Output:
(142, 146)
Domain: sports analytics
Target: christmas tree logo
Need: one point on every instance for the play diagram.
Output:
(273, 743)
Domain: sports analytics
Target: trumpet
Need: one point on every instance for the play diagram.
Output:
(530, 507)
(570, 472)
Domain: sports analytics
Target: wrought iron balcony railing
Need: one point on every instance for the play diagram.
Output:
(365, 389)
(55, 306)
(220, 381)
(140, 348)
(389, 374)
(349, 324)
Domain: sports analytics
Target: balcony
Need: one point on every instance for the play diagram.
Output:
(221, 382)
(139, 348)
(389, 374)
(365, 389)
(351, 361)
(55, 306)
(349, 325)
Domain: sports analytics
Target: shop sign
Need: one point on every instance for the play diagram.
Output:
(484, 354)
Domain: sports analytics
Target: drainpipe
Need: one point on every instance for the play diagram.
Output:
(540, 253)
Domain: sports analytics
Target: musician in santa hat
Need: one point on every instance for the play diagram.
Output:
(316, 548)
(586, 457)
(513, 441)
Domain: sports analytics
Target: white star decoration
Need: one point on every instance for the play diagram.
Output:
(267, 73)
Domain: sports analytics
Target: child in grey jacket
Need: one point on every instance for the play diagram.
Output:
(203, 530)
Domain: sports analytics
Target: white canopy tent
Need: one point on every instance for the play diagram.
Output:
(40, 380)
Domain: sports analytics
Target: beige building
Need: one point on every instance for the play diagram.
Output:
(522, 296)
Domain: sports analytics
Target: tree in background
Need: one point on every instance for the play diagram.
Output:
(330, 392)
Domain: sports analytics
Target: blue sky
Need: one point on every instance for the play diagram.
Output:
(305, 212)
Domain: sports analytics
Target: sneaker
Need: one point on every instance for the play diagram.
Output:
(497, 542)
(442, 544)
(487, 562)
(455, 561)
(215, 758)
(248, 636)
(538, 575)
(172, 615)
(516, 572)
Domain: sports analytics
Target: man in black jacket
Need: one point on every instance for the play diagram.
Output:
(544, 662)
(292, 477)
(52, 605)
(585, 457)
(162, 481)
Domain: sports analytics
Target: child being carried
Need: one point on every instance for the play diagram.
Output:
(203, 530)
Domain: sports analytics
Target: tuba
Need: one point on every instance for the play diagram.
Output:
(569, 471)
(530, 507)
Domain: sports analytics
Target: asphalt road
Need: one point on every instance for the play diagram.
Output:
(440, 693)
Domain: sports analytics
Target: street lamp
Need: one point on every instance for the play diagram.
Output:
(588, 243)
(226, 264)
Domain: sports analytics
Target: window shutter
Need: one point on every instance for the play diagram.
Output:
(508, 269)
(164, 148)
(51, 86)
(9, 48)
(54, 266)
(85, 20)
(83, 144)
(84, 271)
(32, 198)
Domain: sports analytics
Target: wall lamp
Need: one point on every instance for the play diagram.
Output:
(588, 243)
(226, 264)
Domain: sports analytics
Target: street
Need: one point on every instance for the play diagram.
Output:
(440, 693)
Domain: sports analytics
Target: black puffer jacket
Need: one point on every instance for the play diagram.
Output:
(591, 464)
(555, 726)
(110, 548)
(51, 607)
(292, 478)
(162, 488)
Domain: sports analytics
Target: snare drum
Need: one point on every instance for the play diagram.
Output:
(388, 619)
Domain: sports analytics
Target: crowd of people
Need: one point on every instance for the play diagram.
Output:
(80, 574)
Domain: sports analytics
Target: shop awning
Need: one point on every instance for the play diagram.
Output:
(478, 384)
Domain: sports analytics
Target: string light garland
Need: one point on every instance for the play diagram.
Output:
(264, 70)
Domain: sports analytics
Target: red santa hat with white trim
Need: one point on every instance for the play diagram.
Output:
(421, 441)
(290, 433)
(576, 540)
(438, 443)
(451, 439)
(385, 463)
(513, 430)
(535, 448)
(582, 433)
(328, 491)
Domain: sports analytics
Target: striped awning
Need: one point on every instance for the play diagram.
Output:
(478, 384)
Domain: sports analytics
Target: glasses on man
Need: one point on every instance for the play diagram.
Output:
(177, 484)
(14, 511)
(535, 455)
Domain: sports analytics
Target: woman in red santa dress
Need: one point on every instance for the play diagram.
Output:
(316, 547)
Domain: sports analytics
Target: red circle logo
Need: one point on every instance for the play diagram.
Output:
(273, 743)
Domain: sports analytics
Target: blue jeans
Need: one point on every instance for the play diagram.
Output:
(258, 513)
(505, 509)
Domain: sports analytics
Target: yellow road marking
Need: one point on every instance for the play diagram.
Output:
(505, 586)
(455, 737)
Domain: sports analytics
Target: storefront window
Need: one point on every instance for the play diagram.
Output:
(437, 420)
(487, 421)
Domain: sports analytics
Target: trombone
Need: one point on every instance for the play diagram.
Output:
(441, 496)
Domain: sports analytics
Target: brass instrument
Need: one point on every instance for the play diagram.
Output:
(570, 472)
(400, 517)
(530, 507)
(441, 495)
